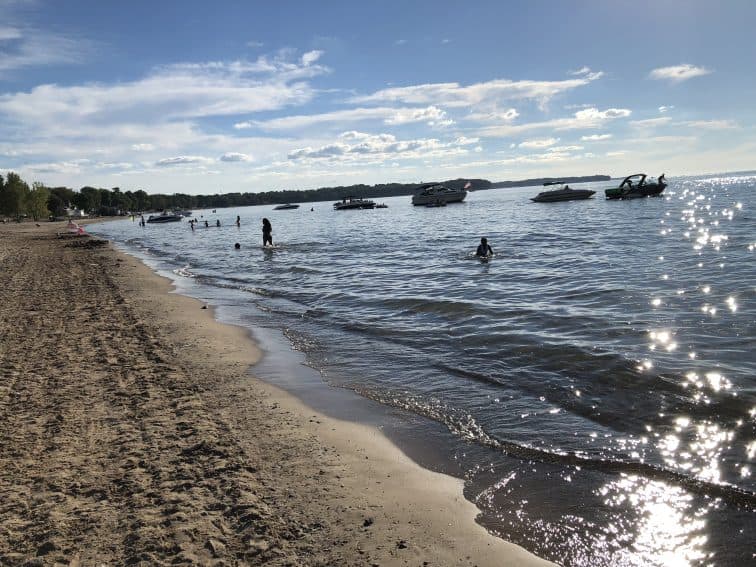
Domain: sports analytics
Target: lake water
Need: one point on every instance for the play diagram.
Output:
(594, 384)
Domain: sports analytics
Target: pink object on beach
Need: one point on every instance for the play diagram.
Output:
(74, 228)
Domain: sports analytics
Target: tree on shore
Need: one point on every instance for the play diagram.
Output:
(36, 201)
(13, 196)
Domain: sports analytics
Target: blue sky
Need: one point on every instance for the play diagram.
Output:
(202, 97)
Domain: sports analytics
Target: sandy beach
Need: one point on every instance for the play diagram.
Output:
(132, 432)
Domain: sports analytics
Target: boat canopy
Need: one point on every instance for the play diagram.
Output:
(629, 177)
(426, 186)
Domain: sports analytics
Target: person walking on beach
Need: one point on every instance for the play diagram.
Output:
(484, 249)
(267, 232)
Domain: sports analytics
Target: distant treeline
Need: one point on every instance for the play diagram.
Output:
(542, 180)
(18, 199)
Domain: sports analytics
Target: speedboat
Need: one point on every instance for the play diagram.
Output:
(636, 186)
(285, 207)
(165, 216)
(353, 203)
(382, 206)
(435, 192)
(563, 193)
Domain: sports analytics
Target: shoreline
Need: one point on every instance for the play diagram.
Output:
(323, 491)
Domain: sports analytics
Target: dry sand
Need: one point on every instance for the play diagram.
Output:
(131, 432)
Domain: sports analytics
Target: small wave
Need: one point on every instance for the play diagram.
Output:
(464, 426)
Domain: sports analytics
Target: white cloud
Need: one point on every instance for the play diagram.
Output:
(651, 122)
(311, 56)
(663, 109)
(456, 95)
(562, 149)
(28, 47)
(464, 141)
(541, 143)
(400, 42)
(121, 165)
(56, 167)
(181, 160)
(378, 148)
(9, 33)
(493, 117)
(595, 137)
(678, 73)
(587, 73)
(142, 147)
(298, 122)
(177, 91)
(711, 124)
(588, 118)
(432, 115)
(235, 156)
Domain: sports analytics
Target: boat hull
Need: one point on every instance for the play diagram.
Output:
(561, 195)
(165, 219)
(352, 204)
(650, 190)
(446, 198)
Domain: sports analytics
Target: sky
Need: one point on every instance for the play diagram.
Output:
(218, 97)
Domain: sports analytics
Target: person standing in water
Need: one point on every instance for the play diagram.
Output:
(267, 232)
(484, 249)
(238, 220)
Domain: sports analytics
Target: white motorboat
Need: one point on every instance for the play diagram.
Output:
(437, 193)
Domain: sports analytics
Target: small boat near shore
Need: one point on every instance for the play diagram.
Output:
(350, 203)
(435, 193)
(563, 193)
(165, 216)
(285, 207)
(636, 186)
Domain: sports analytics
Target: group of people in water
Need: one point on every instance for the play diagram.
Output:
(484, 249)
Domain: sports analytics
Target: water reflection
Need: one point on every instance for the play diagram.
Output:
(666, 527)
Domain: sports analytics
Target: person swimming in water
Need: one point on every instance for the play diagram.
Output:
(484, 249)
(267, 230)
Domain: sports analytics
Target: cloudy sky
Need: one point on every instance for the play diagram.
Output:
(200, 97)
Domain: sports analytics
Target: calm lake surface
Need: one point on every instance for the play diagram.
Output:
(595, 383)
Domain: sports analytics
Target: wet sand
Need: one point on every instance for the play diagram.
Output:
(131, 431)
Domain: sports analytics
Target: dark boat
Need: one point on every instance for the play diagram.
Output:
(564, 193)
(352, 203)
(165, 216)
(382, 206)
(636, 186)
(285, 207)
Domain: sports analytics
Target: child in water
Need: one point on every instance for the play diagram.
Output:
(267, 232)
